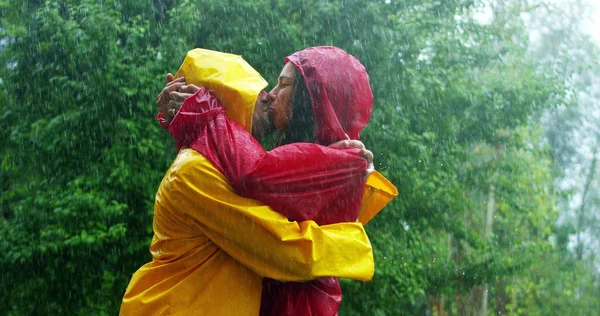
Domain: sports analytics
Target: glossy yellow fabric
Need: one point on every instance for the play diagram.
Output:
(229, 77)
(211, 247)
(379, 191)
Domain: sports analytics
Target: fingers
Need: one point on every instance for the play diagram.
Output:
(356, 144)
(174, 81)
(173, 94)
(174, 105)
(338, 144)
(184, 92)
(179, 96)
(349, 143)
(174, 85)
(370, 170)
(170, 87)
(190, 88)
(364, 152)
(170, 110)
(367, 154)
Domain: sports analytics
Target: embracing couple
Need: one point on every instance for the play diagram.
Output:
(243, 231)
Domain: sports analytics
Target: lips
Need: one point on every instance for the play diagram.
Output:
(264, 105)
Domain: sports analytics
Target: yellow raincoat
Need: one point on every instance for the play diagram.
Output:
(211, 247)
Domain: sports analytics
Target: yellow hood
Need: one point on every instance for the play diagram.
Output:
(229, 77)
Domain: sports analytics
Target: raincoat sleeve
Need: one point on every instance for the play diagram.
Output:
(261, 239)
(378, 193)
(306, 181)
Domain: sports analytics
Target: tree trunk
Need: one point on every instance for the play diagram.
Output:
(489, 221)
(581, 211)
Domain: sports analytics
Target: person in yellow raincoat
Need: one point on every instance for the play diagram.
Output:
(211, 247)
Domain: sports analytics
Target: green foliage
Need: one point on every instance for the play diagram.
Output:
(455, 118)
(84, 156)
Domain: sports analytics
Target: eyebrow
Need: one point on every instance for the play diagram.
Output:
(284, 77)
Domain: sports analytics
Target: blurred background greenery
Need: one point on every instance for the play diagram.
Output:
(486, 119)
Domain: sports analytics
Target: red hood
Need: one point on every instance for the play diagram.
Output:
(339, 90)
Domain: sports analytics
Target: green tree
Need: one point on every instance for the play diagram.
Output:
(456, 127)
(83, 153)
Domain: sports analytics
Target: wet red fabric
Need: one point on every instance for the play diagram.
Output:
(339, 89)
(301, 181)
(318, 297)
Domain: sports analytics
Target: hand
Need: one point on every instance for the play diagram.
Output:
(177, 97)
(172, 96)
(364, 152)
(163, 102)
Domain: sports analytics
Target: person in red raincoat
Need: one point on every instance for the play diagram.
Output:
(323, 96)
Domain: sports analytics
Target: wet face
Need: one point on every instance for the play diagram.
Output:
(280, 109)
(260, 120)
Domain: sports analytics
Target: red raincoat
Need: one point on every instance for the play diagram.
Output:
(301, 181)
(342, 102)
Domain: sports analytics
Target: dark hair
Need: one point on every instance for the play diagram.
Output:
(302, 121)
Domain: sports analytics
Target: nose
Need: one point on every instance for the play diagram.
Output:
(262, 96)
(272, 95)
